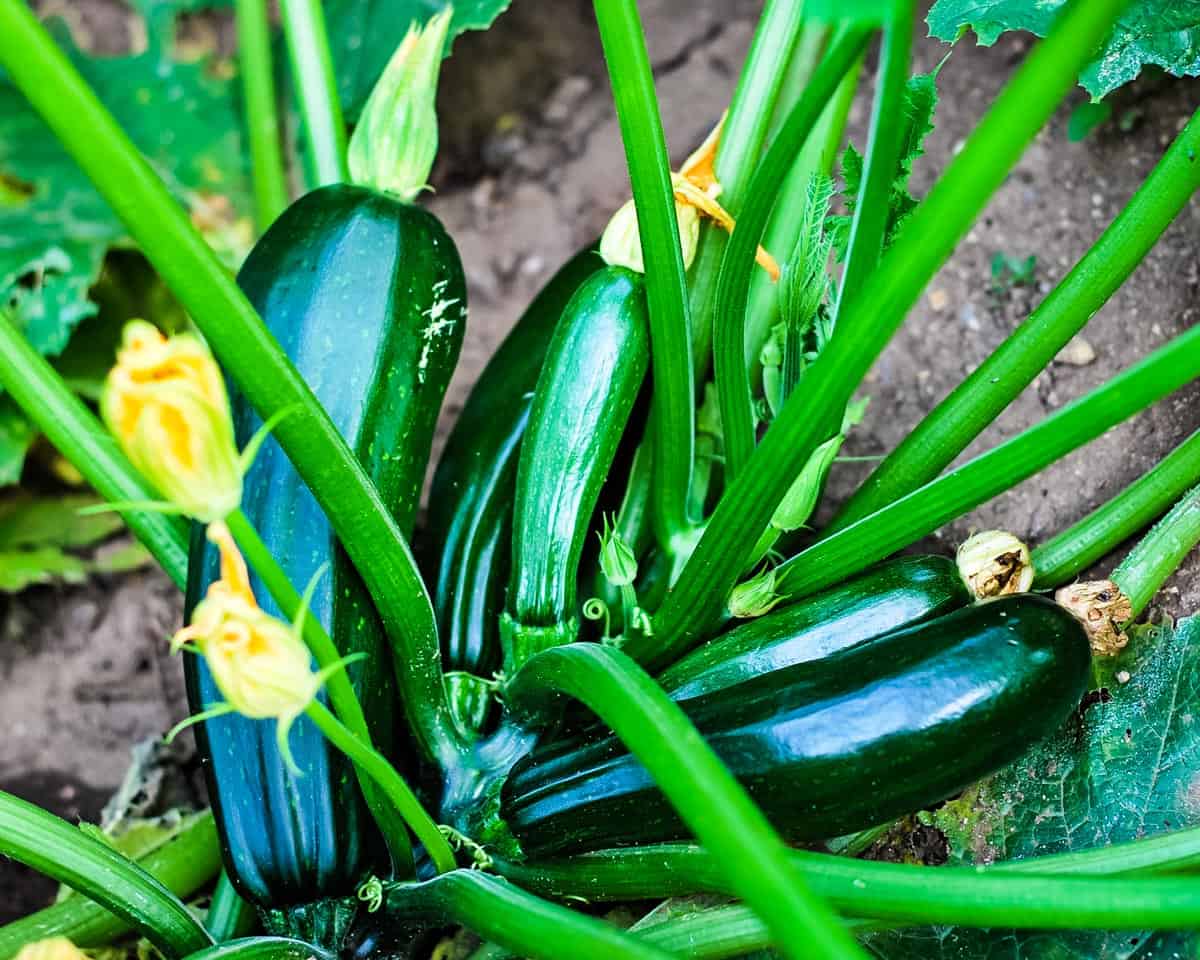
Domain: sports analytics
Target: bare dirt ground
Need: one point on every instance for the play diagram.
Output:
(531, 169)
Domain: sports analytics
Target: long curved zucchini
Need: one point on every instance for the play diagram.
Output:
(469, 524)
(833, 745)
(895, 594)
(593, 372)
(367, 297)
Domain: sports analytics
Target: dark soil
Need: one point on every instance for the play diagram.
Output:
(531, 169)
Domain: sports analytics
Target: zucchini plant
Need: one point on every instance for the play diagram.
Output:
(560, 698)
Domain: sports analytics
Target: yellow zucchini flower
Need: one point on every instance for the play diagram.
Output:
(696, 191)
(165, 402)
(260, 664)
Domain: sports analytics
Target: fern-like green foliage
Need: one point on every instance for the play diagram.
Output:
(920, 100)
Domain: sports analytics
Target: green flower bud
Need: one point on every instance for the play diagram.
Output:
(801, 499)
(754, 597)
(396, 140)
(617, 560)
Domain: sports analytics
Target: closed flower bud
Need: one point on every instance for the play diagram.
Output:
(995, 564)
(396, 140)
(165, 402)
(52, 948)
(754, 597)
(617, 560)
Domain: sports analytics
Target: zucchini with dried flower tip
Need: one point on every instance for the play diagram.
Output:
(832, 745)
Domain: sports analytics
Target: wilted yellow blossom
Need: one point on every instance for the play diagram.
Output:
(259, 663)
(165, 402)
(52, 948)
(696, 191)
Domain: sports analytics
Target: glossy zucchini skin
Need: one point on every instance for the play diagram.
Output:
(833, 745)
(895, 594)
(594, 369)
(469, 525)
(366, 296)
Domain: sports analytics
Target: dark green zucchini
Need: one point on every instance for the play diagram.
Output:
(591, 378)
(833, 745)
(366, 295)
(894, 594)
(469, 526)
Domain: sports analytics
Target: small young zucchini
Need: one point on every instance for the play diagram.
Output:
(593, 372)
(895, 594)
(833, 745)
(366, 295)
(469, 526)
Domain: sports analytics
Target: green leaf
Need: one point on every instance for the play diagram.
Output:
(1162, 33)
(1085, 118)
(920, 100)
(53, 522)
(363, 35)
(37, 535)
(1128, 767)
(26, 568)
(16, 436)
(180, 108)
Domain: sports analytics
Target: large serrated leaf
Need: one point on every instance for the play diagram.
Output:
(180, 109)
(1128, 767)
(1161, 33)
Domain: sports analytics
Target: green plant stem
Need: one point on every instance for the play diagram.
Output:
(376, 766)
(946, 431)
(392, 825)
(670, 329)
(873, 203)
(814, 37)
(963, 896)
(262, 117)
(709, 800)
(697, 601)
(751, 110)
(733, 284)
(83, 440)
(1065, 556)
(510, 918)
(228, 916)
(791, 207)
(184, 864)
(953, 494)
(252, 357)
(1159, 553)
(263, 948)
(52, 846)
(316, 89)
